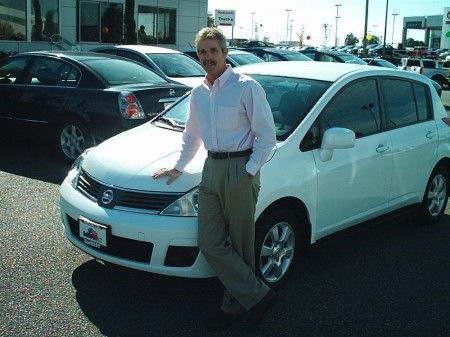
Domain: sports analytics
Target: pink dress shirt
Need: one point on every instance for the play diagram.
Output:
(231, 115)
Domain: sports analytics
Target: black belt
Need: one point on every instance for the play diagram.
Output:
(228, 155)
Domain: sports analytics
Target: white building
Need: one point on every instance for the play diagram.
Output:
(27, 25)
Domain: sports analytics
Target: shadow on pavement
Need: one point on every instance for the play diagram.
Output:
(125, 302)
(32, 159)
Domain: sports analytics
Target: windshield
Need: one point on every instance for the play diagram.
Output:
(352, 59)
(290, 100)
(177, 65)
(119, 72)
(242, 59)
(296, 56)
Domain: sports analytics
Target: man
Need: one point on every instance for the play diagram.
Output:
(230, 115)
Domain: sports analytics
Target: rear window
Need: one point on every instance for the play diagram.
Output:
(177, 65)
(119, 72)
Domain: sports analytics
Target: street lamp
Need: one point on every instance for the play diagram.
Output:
(290, 34)
(287, 26)
(337, 18)
(393, 25)
(253, 16)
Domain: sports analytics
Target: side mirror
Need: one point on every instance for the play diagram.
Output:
(336, 138)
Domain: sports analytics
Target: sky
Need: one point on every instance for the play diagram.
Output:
(310, 16)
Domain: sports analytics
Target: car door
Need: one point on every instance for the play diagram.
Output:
(355, 183)
(43, 94)
(11, 72)
(414, 137)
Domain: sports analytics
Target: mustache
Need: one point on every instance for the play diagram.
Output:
(209, 63)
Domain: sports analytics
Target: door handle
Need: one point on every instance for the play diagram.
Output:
(382, 148)
(430, 134)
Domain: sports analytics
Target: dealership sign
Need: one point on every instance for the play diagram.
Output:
(225, 17)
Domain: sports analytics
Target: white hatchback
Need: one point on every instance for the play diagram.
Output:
(354, 143)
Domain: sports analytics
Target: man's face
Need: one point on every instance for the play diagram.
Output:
(211, 56)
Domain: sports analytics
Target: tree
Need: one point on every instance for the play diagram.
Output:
(37, 31)
(210, 22)
(130, 24)
(351, 40)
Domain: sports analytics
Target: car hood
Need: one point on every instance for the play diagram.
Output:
(129, 159)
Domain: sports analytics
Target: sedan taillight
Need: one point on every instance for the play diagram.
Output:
(129, 106)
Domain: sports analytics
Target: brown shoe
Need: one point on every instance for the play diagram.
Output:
(259, 310)
(222, 320)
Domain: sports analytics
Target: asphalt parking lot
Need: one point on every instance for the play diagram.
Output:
(388, 279)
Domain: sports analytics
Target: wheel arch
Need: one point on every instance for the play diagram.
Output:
(299, 209)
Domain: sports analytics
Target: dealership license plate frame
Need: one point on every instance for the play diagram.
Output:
(102, 236)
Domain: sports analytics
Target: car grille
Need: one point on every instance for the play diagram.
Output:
(134, 250)
(113, 197)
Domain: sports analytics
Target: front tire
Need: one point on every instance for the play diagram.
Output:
(277, 242)
(436, 196)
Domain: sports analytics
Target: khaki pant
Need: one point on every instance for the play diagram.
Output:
(226, 230)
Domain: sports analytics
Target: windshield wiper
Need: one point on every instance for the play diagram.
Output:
(170, 122)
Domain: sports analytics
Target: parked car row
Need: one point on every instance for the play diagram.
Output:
(69, 88)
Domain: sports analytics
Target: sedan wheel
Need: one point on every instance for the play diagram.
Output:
(73, 140)
(275, 246)
(436, 196)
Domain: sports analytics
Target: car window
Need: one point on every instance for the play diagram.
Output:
(429, 64)
(118, 72)
(355, 107)
(269, 57)
(413, 63)
(177, 65)
(11, 69)
(290, 100)
(405, 102)
(135, 57)
(52, 72)
(327, 58)
(242, 59)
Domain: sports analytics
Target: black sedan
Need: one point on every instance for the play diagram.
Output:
(79, 99)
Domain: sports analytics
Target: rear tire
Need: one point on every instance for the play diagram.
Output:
(72, 139)
(436, 196)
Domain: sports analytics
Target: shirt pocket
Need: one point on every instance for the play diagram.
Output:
(227, 117)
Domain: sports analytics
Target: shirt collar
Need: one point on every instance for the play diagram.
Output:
(222, 79)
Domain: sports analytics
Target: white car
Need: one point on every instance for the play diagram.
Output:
(175, 65)
(354, 143)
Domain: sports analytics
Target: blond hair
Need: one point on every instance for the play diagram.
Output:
(211, 33)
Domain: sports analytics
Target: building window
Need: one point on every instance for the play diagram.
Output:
(13, 20)
(44, 19)
(156, 25)
(100, 22)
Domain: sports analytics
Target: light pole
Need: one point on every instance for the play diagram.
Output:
(393, 25)
(253, 16)
(337, 18)
(375, 30)
(290, 34)
(287, 27)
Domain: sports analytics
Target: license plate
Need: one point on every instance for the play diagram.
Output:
(93, 233)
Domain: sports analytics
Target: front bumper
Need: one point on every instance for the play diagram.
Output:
(153, 243)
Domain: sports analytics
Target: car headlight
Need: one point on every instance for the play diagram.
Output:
(187, 205)
(75, 170)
